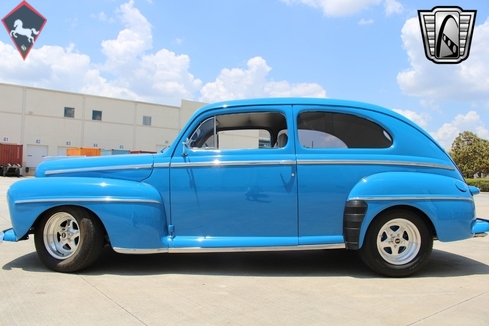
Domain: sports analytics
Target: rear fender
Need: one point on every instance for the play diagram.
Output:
(445, 201)
(133, 213)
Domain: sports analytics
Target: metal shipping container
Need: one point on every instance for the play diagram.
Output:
(83, 151)
(11, 156)
(105, 152)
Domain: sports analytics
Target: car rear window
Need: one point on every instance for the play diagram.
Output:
(337, 130)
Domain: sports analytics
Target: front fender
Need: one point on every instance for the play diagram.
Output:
(446, 202)
(133, 213)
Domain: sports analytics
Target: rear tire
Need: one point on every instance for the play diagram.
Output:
(397, 244)
(68, 239)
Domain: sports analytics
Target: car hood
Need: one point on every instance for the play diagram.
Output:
(136, 167)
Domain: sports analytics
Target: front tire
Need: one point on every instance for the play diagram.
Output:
(68, 239)
(397, 244)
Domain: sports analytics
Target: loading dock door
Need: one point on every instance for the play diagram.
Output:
(62, 151)
(35, 155)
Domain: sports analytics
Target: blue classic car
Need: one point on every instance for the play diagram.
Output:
(256, 175)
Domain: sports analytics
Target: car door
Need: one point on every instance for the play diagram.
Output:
(336, 148)
(232, 183)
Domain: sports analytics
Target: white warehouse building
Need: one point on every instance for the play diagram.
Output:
(48, 122)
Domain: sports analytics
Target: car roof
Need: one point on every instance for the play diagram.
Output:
(314, 101)
(307, 101)
(301, 101)
(283, 102)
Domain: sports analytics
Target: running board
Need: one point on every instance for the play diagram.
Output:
(192, 250)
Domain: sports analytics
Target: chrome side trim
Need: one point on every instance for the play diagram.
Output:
(217, 163)
(161, 165)
(374, 162)
(101, 168)
(140, 251)
(228, 249)
(107, 199)
(393, 198)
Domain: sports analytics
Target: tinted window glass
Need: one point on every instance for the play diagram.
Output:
(203, 136)
(69, 112)
(337, 130)
(146, 120)
(96, 115)
(241, 131)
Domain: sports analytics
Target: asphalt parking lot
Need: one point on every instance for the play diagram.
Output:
(297, 288)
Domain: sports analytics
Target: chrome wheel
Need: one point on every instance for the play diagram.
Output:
(61, 235)
(68, 238)
(398, 241)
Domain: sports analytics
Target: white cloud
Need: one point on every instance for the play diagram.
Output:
(73, 22)
(162, 76)
(430, 104)
(467, 81)
(239, 83)
(95, 84)
(48, 67)
(366, 21)
(178, 40)
(102, 17)
(349, 7)
(131, 42)
(134, 72)
(420, 119)
(337, 7)
(285, 89)
(471, 121)
(393, 7)
(132, 69)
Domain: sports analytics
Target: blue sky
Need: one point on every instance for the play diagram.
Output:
(163, 51)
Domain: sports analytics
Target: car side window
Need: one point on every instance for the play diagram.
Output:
(318, 129)
(202, 137)
(240, 131)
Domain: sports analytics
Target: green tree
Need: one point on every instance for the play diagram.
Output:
(471, 154)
